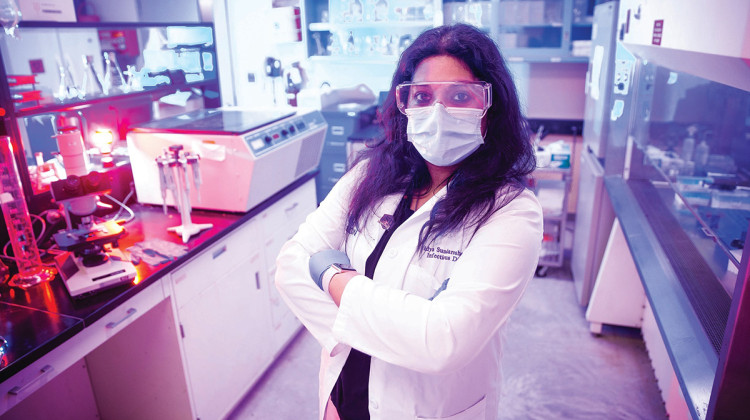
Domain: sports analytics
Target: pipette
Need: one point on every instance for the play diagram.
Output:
(173, 166)
(163, 168)
(193, 161)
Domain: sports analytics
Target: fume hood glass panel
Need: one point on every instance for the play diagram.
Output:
(51, 67)
(100, 78)
(693, 136)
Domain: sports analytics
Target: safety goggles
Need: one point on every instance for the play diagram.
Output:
(472, 95)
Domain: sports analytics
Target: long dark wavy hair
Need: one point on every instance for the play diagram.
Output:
(502, 163)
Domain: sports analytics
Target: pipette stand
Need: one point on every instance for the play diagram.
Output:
(179, 184)
(187, 228)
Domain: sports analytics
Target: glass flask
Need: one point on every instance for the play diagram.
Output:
(67, 88)
(90, 86)
(114, 81)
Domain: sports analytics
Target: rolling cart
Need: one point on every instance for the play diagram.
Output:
(552, 184)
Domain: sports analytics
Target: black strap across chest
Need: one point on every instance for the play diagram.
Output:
(349, 394)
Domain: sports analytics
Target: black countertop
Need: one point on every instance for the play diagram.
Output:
(26, 331)
(36, 320)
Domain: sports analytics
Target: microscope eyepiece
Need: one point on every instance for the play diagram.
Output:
(72, 185)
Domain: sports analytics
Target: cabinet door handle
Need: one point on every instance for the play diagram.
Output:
(128, 314)
(219, 251)
(46, 370)
(257, 280)
(292, 207)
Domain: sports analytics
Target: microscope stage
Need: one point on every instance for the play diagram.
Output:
(80, 280)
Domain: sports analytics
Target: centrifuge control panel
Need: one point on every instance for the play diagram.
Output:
(276, 134)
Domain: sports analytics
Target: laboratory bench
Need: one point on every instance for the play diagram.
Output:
(186, 339)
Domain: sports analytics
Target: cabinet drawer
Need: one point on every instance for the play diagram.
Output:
(42, 371)
(30, 379)
(281, 221)
(124, 315)
(272, 247)
(290, 211)
(213, 263)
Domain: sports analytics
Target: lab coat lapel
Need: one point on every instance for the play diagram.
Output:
(423, 213)
(402, 246)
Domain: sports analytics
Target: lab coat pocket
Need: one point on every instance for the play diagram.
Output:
(475, 412)
(421, 282)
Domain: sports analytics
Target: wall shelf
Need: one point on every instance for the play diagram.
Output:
(156, 91)
(102, 25)
(324, 26)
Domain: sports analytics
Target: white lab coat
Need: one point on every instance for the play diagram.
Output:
(431, 359)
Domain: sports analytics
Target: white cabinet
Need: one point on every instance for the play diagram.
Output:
(279, 223)
(222, 309)
(125, 365)
(190, 345)
(232, 320)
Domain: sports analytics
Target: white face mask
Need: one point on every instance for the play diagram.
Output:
(444, 136)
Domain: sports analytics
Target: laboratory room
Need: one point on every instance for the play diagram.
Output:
(386, 209)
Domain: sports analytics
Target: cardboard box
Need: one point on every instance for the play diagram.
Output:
(47, 10)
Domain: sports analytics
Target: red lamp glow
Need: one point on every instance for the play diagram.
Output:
(103, 140)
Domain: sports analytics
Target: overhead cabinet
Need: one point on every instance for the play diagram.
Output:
(379, 30)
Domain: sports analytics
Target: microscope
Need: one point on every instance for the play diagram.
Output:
(91, 260)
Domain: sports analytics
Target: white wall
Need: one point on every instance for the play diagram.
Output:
(555, 90)
(114, 11)
(169, 10)
(146, 10)
(245, 37)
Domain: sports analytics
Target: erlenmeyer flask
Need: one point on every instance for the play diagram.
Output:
(90, 86)
(114, 81)
(67, 88)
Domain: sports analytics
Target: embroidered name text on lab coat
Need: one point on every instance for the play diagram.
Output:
(442, 254)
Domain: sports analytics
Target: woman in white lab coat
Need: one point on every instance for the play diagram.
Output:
(408, 270)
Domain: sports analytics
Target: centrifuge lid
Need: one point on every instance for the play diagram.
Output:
(217, 121)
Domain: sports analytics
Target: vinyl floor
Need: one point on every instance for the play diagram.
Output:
(553, 367)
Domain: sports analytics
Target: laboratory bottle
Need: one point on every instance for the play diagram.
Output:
(350, 44)
(688, 145)
(356, 10)
(701, 154)
(381, 11)
(114, 81)
(90, 86)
